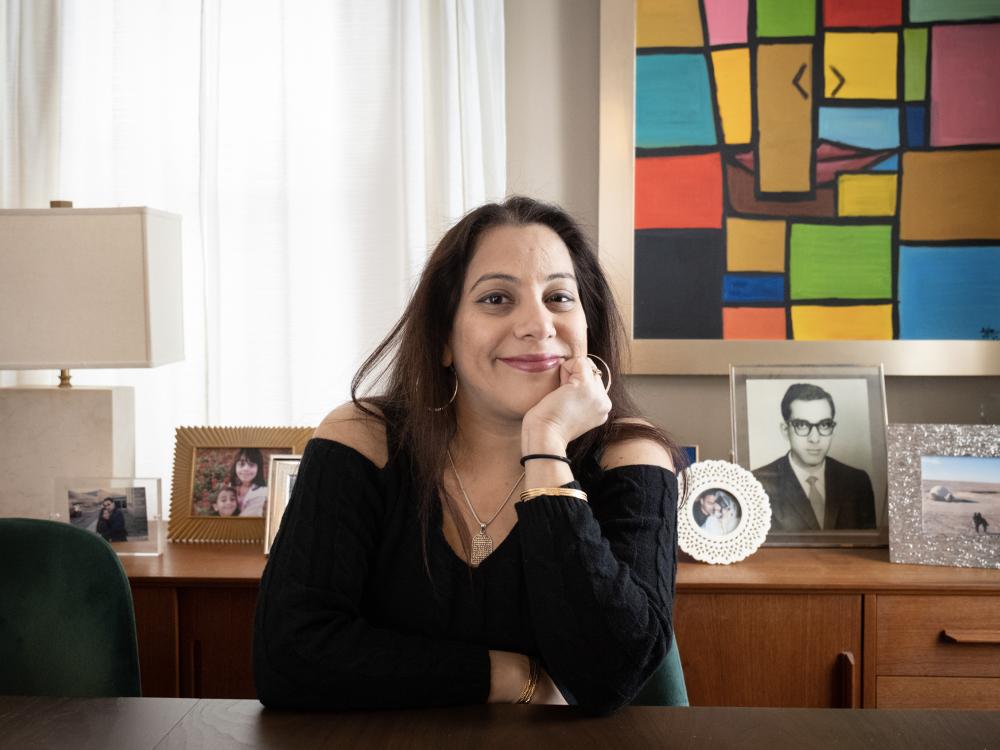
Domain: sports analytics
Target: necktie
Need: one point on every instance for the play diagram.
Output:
(815, 500)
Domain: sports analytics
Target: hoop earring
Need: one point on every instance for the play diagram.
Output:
(453, 393)
(606, 367)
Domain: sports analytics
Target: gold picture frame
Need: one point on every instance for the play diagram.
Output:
(282, 474)
(616, 240)
(198, 454)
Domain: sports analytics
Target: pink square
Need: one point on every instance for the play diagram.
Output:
(965, 84)
(727, 21)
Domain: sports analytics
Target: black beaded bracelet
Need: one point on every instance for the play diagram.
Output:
(550, 456)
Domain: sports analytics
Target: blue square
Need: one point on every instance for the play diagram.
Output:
(673, 101)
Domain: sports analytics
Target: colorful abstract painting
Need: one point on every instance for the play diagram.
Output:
(817, 169)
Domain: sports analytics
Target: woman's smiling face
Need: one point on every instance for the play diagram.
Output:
(518, 319)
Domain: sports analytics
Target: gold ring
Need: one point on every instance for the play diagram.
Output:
(607, 386)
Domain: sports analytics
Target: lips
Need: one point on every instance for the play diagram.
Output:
(533, 362)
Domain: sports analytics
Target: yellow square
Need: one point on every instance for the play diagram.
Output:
(668, 23)
(732, 86)
(860, 65)
(866, 195)
(755, 245)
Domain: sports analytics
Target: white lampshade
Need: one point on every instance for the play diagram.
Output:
(90, 288)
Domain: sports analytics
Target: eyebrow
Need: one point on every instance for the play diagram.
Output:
(514, 280)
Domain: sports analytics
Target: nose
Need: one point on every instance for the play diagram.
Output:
(814, 435)
(534, 320)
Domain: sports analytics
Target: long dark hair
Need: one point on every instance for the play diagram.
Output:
(406, 372)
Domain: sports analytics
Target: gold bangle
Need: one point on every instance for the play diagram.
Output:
(528, 692)
(554, 491)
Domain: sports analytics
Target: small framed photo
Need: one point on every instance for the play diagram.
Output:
(692, 452)
(220, 485)
(723, 515)
(283, 471)
(814, 436)
(125, 511)
(944, 495)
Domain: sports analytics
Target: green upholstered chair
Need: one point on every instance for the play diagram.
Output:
(665, 686)
(67, 627)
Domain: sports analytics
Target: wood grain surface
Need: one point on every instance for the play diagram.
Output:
(221, 724)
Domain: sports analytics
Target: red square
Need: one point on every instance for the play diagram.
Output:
(864, 13)
(678, 192)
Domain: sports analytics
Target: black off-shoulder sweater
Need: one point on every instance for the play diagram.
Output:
(348, 617)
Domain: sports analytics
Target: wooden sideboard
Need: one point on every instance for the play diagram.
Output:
(787, 627)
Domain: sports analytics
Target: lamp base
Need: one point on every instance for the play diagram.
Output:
(47, 433)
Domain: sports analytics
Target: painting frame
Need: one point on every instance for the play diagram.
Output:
(857, 396)
(284, 468)
(908, 541)
(184, 524)
(726, 482)
(714, 356)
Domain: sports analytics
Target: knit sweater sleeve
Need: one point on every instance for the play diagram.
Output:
(600, 581)
(313, 648)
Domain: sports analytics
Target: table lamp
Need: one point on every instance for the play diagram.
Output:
(80, 288)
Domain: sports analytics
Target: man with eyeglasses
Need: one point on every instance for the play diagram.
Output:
(808, 489)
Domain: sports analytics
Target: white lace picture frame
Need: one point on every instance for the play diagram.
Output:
(723, 513)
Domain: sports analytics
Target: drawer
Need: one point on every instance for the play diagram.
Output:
(912, 640)
(939, 692)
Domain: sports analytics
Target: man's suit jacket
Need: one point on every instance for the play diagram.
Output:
(850, 502)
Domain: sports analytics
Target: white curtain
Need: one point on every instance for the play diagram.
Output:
(315, 151)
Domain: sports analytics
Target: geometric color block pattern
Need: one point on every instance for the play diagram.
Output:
(817, 171)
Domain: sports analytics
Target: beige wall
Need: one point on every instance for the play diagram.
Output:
(552, 149)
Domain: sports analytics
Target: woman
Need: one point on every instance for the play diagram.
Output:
(408, 570)
(247, 478)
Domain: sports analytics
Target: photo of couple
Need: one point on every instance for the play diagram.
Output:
(716, 512)
(118, 515)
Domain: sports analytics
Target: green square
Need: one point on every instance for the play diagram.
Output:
(786, 17)
(840, 262)
(915, 74)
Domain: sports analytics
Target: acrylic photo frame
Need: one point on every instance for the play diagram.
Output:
(125, 511)
(855, 467)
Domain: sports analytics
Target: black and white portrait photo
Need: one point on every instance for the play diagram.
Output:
(817, 446)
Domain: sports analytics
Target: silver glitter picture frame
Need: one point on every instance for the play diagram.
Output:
(910, 538)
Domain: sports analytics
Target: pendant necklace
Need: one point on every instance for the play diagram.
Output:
(482, 543)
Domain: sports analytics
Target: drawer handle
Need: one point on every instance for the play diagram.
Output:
(971, 636)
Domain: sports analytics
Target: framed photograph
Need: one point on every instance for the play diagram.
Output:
(753, 209)
(283, 471)
(125, 511)
(723, 514)
(220, 487)
(692, 452)
(814, 436)
(944, 495)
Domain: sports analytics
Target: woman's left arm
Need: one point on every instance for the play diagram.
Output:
(600, 576)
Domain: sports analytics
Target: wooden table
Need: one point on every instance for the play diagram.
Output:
(220, 723)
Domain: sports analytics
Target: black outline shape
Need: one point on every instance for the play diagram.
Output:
(840, 85)
(798, 77)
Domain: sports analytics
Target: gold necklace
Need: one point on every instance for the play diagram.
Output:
(482, 543)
